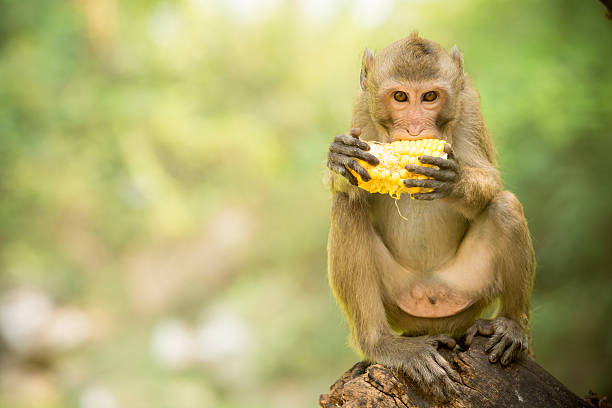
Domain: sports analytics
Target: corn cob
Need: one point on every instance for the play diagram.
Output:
(388, 175)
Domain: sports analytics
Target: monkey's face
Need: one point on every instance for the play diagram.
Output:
(412, 110)
(413, 88)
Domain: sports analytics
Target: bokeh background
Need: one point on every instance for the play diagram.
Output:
(163, 219)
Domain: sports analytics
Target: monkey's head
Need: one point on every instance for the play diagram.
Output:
(413, 87)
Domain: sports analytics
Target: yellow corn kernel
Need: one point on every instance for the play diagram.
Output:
(389, 175)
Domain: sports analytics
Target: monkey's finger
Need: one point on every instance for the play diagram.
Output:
(437, 390)
(449, 151)
(415, 372)
(486, 330)
(499, 348)
(419, 371)
(347, 162)
(444, 164)
(338, 158)
(441, 175)
(445, 387)
(365, 176)
(431, 378)
(352, 151)
(422, 196)
(435, 195)
(355, 132)
(447, 341)
(352, 141)
(449, 370)
(480, 326)
(439, 376)
(450, 390)
(497, 336)
(469, 337)
(441, 189)
(342, 171)
(511, 353)
(427, 183)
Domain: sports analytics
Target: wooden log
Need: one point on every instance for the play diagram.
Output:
(521, 384)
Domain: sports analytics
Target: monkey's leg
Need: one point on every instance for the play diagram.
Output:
(498, 240)
(355, 282)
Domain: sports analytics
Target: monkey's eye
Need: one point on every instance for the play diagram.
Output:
(430, 96)
(400, 96)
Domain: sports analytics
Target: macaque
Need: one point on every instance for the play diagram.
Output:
(410, 284)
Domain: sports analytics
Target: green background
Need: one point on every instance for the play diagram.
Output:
(161, 164)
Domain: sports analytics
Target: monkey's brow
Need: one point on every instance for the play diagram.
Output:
(418, 85)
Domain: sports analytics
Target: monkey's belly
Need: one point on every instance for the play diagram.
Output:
(432, 300)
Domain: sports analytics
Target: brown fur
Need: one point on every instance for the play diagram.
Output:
(475, 242)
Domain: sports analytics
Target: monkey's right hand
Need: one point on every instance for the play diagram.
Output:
(342, 152)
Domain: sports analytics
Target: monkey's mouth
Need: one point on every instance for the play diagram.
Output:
(403, 134)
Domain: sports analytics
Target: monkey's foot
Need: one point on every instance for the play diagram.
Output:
(486, 385)
(429, 370)
(507, 339)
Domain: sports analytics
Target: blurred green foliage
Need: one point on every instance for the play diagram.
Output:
(164, 159)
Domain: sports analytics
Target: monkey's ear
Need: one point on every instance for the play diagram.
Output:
(458, 58)
(366, 65)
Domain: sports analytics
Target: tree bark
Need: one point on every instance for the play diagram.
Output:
(521, 384)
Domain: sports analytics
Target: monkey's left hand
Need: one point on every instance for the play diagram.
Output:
(507, 341)
(443, 179)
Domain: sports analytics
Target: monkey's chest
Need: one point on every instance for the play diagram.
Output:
(420, 236)
(429, 299)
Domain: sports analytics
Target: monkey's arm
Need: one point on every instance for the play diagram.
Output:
(515, 268)
(354, 280)
(479, 181)
(518, 282)
(470, 184)
(475, 188)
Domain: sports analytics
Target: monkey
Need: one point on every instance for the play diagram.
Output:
(411, 284)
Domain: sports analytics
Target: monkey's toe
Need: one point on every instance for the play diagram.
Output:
(507, 343)
(480, 327)
(433, 374)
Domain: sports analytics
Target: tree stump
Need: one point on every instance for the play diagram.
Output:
(521, 384)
